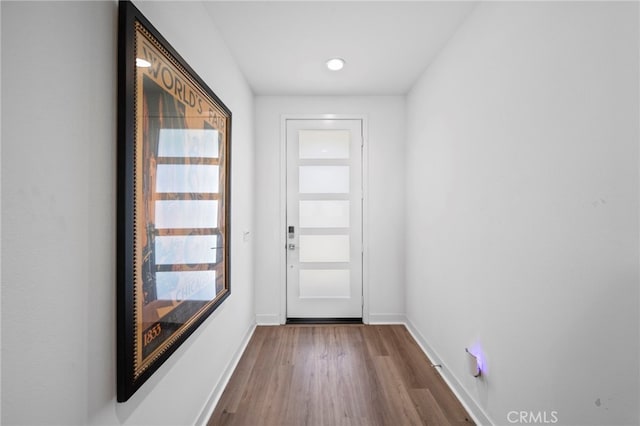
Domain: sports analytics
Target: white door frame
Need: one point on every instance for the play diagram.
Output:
(283, 205)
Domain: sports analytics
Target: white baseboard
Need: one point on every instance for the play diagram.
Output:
(387, 319)
(215, 395)
(477, 414)
(268, 319)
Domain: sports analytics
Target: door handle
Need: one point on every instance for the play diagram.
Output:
(292, 246)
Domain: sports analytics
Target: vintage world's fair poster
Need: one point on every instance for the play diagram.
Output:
(181, 191)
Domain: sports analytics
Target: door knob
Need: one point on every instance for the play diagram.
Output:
(292, 246)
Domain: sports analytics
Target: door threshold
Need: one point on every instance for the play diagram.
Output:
(324, 321)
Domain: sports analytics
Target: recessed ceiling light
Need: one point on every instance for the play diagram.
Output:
(335, 64)
(141, 63)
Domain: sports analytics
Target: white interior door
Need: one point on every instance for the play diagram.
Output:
(324, 218)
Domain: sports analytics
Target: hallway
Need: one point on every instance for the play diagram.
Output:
(500, 196)
(336, 375)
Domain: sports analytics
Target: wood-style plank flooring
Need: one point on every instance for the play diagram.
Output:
(336, 375)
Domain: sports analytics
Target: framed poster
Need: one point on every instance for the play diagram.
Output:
(174, 138)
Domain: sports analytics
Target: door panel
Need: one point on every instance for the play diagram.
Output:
(324, 179)
(324, 211)
(324, 214)
(325, 283)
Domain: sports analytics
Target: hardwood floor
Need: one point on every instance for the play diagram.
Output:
(336, 375)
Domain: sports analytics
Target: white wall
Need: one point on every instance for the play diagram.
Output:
(385, 199)
(59, 224)
(522, 209)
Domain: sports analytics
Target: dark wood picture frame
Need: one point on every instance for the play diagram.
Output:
(174, 137)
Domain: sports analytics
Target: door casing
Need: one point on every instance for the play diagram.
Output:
(283, 206)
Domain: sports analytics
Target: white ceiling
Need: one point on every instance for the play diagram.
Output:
(282, 46)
